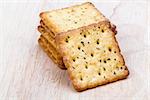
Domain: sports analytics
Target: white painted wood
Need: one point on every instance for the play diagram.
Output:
(26, 73)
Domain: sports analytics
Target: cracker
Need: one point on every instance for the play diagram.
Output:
(44, 26)
(62, 20)
(44, 46)
(92, 56)
(51, 52)
(50, 44)
(47, 36)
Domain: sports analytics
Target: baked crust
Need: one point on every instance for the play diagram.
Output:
(51, 51)
(47, 36)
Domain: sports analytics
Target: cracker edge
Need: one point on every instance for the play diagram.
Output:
(60, 60)
(45, 48)
(47, 29)
(43, 32)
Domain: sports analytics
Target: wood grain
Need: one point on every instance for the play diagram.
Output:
(26, 73)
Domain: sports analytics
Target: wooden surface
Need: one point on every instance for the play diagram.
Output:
(26, 73)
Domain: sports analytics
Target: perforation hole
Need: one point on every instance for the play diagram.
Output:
(114, 73)
(125, 68)
(114, 51)
(104, 68)
(73, 60)
(105, 61)
(115, 59)
(84, 36)
(97, 41)
(75, 22)
(102, 31)
(82, 43)
(88, 42)
(120, 67)
(99, 73)
(66, 40)
(108, 59)
(86, 66)
(100, 60)
(92, 55)
(81, 78)
(109, 49)
(84, 58)
(79, 48)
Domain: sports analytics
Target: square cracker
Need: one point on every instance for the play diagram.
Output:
(62, 20)
(92, 56)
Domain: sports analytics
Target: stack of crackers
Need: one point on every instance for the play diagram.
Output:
(82, 40)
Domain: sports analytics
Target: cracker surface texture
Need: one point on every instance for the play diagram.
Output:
(92, 56)
(62, 20)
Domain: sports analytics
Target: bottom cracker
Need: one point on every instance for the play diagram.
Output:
(44, 47)
(51, 52)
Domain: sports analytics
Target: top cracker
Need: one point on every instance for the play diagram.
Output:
(62, 20)
(92, 56)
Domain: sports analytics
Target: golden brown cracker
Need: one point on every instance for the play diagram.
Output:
(62, 20)
(92, 56)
